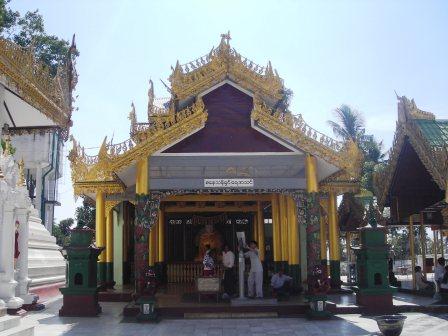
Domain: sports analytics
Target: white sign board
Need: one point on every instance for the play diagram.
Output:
(229, 183)
(241, 239)
(208, 284)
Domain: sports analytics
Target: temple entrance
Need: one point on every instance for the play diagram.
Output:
(189, 233)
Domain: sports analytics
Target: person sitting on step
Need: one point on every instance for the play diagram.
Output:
(281, 283)
(422, 284)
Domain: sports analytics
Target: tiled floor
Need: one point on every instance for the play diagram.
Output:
(110, 324)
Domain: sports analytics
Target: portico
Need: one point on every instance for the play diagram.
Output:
(219, 156)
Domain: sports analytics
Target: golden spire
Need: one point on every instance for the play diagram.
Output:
(21, 182)
(132, 117)
(7, 150)
(226, 37)
(150, 98)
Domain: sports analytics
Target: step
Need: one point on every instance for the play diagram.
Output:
(253, 302)
(230, 315)
(8, 322)
(21, 330)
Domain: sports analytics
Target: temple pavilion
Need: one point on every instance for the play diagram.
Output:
(413, 183)
(221, 155)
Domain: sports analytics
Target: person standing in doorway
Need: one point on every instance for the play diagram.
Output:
(255, 279)
(228, 261)
(439, 271)
(208, 262)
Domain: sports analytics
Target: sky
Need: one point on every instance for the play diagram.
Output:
(328, 53)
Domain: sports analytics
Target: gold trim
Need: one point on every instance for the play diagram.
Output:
(31, 79)
(88, 171)
(435, 159)
(223, 63)
(293, 129)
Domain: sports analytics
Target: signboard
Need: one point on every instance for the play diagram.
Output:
(229, 183)
(208, 284)
(241, 238)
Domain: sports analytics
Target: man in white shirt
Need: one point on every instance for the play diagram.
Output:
(421, 283)
(439, 272)
(280, 283)
(255, 278)
(228, 261)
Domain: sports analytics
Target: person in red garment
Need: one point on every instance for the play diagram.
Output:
(208, 262)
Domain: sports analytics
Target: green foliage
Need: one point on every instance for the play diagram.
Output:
(62, 231)
(398, 239)
(29, 30)
(349, 125)
(85, 215)
(8, 18)
(12, 150)
(283, 104)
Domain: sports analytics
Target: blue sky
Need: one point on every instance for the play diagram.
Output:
(328, 53)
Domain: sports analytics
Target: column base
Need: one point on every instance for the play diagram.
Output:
(160, 269)
(294, 272)
(14, 303)
(110, 283)
(375, 302)
(80, 303)
(335, 274)
(101, 275)
(29, 299)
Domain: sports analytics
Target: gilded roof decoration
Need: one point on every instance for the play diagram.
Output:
(89, 171)
(219, 64)
(295, 130)
(32, 80)
(433, 154)
(167, 123)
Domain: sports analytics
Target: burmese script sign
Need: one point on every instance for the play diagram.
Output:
(208, 284)
(229, 183)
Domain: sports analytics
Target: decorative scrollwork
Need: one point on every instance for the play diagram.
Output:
(52, 95)
(433, 156)
(293, 129)
(114, 157)
(221, 63)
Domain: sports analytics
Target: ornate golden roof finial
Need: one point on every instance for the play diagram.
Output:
(225, 38)
(102, 153)
(132, 115)
(7, 150)
(21, 182)
(150, 97)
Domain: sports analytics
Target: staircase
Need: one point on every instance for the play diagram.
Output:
(10, 325)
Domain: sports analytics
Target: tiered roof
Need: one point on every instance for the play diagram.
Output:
(184, 113)
(427, 135)
(32, 81)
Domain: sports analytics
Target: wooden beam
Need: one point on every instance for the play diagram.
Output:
(247, 208)
(220, 197)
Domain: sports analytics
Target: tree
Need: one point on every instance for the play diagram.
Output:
(65, 225)
(349, 124)
(85, 215)
(62, 231)
(29, 31)
(8, 18)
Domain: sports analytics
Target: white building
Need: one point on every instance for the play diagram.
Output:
(35, 110)
(35, 113)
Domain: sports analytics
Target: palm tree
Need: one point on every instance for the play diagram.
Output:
(349, 124)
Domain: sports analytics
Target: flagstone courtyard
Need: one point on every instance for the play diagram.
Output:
(112, 323)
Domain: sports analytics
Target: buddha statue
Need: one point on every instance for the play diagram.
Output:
(207, 236)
